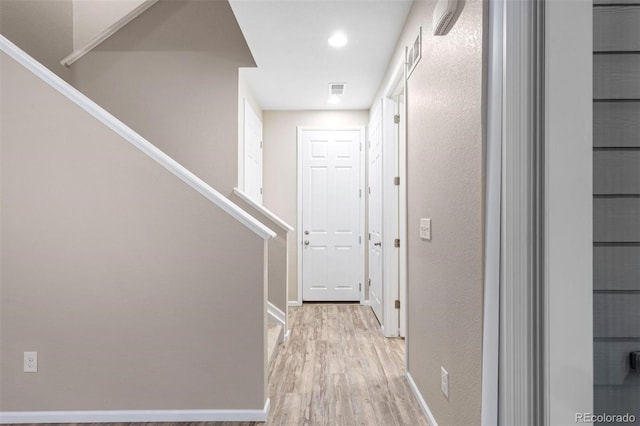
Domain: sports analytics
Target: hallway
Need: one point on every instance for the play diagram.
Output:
(338, 369)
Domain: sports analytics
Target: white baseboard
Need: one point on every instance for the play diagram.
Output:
(130, 416)
(294, 303)
(423, 404)
(275, 313)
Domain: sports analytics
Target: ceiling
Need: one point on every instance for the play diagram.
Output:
(288, 39)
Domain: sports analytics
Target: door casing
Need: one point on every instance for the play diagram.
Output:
(299, 232)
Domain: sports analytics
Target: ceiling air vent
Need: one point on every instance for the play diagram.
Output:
(336, 89)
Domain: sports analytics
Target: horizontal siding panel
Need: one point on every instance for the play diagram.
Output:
(617, 400)
(616, 76)
(612, 2)
(616, 172)
(616, 315)
(616, 124)
(616, 220)
(616, 268)
(616, 28)
(611, 364)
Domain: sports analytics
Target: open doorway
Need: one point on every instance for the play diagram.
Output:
(387, 207)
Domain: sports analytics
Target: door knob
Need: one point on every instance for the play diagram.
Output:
(377, 244)
(306, 232)
(306, 243)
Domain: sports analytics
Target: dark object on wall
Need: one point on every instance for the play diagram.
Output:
(634, 360)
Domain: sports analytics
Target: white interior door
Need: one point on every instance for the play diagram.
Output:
(331, 215)
(375, 215)
(252, 154)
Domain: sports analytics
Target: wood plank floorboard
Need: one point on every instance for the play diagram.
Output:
(336, 369)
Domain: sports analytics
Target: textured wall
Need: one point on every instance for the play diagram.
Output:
(42, 28)
(172, 75)
(125, 280)
(281, 166)
(445, 183)
(91, 17)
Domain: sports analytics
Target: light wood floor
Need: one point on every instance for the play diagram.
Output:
(336, 369)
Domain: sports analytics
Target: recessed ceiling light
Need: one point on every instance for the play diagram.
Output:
(337, 40)
(333, 100)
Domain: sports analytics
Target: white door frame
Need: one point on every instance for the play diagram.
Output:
(395, 263)
(247, 111)
(401, 109)
(546, 217)
(299, 233)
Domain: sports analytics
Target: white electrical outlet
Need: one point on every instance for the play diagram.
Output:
(425, 228)
(31, 362)
(444, 382)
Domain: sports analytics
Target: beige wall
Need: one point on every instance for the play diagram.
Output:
(277, 264)
(119, 275)
(446, 183)
(42, 28)
(91, 17)
(281, 170)
(172, 75)
(244, 92)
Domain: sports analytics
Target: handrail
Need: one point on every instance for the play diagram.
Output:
(134, 138)
(269, 214)
(108, 32)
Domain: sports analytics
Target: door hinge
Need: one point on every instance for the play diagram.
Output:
(360, 193)
(396, 180)
(369, 281)
(369, 190)
(260, 191)
(360, 287)
(397, 304)
(396, 119)
(369, 236)
(396, 242)
(360, 239)
(260, 144)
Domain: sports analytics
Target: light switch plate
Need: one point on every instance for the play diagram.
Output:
(425, 228)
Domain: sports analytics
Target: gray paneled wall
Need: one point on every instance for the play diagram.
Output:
(616, 204)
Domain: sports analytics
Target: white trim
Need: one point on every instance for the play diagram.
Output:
(519, 398)
(491, 322)
(299, 236)
(390, 218)
(137, 416)
(403, 224)
(568, 215)
(299, 210)
(423, 404)
(270, 215)
(294, 303)
(275, 313)
(134, 138)
(107, 32)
